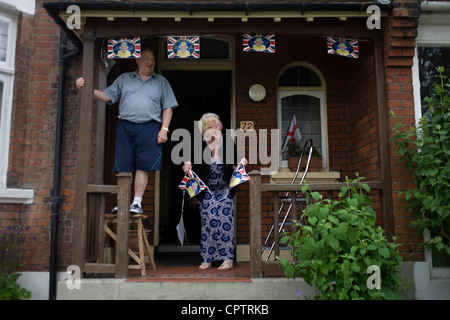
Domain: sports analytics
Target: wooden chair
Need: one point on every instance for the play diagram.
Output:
(111, 219)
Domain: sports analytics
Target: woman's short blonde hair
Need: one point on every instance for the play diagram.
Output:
(206, 120)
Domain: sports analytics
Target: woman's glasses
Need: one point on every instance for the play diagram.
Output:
(215, 126)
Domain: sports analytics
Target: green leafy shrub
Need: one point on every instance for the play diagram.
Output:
(426, 151)
(10, 289)
(10, 253)
(336, 243)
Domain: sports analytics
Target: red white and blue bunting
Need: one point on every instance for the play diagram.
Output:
(124, 48)
(182, 47)
(263, 42)
(343, 47)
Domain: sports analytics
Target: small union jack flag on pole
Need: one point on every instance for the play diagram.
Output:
(192, 184)
(183, 47)
(343, 47)
(239, 176)
(124, 48)
(264, 42)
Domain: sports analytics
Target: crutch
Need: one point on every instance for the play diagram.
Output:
(306, 146)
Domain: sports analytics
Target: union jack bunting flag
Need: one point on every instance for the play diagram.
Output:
(239, 176)
(264, 42)
(124, 48)
(183, 47)
(192, 184)
(343, 47)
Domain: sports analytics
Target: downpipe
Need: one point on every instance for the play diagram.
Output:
(64, 58)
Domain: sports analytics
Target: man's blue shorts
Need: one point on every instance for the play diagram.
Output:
(137, 147)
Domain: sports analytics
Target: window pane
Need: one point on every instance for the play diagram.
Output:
(306, 109)
(1, 100)
(299, 77)
(429, 60)
(214, 49)
(3, 39)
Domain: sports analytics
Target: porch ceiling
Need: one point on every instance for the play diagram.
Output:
(209, 11)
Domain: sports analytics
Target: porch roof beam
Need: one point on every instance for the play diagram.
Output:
(219, 14)
(178, 16)
(211, 11)
(247, 7)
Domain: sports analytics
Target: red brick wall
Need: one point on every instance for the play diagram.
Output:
(33, 132)
(363, 121)
(350, 105)
(400, 31)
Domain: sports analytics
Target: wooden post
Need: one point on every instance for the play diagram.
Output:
(276, 225)
(84, 146)
(386, 196)
(123, 224)
(255, 225)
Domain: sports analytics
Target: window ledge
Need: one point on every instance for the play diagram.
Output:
(311, 177)
(20, 196)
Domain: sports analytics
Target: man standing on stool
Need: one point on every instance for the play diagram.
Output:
(146, 102)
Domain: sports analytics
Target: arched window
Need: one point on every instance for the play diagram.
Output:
(301, 92)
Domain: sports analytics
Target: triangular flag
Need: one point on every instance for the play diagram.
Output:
(293, 133)
(239, 176)
(192, 184)
(180, 230)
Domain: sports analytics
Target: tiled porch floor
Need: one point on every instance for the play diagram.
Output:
(186, 270)
(183, 273)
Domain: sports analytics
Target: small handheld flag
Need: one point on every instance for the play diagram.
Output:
(239, 176)
(181, 231)
(292, 134)
(192, 184)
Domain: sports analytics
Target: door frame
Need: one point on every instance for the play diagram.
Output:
(194, 65)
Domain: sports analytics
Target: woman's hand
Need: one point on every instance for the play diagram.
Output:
(187, 166)
(243, 161)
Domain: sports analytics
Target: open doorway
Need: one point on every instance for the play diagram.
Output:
(197, 92)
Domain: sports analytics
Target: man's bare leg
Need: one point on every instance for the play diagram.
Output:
(140, 184)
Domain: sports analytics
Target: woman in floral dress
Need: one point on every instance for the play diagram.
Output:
(216, 202)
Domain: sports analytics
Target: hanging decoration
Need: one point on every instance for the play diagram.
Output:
(343, 47)
(183, 47)
(239, 176)
(124, 48)
(264, 42)
(192, 184)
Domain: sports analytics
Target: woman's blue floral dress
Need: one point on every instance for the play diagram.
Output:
(217, 216)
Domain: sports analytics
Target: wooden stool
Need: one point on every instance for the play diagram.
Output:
(142, 239)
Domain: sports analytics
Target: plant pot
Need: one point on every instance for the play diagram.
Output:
(314, 164)
(133, 241)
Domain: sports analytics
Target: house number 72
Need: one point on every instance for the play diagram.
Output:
(247, 125)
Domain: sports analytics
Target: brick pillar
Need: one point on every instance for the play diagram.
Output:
(400, 31)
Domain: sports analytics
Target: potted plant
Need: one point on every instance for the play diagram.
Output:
(133, 241)
(337, 247)
(294, 152)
